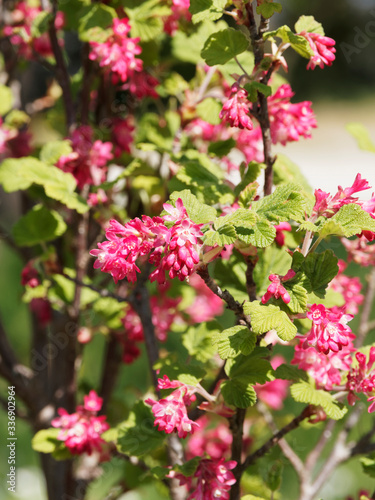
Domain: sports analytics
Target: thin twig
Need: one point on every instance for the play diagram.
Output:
(306, 413)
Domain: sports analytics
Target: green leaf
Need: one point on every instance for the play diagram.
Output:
(261, 235)
(53, 150)
(252, 173)
(93, 21)
(246, 59)
(234, 340)
(221, 148)
(303, 392)
(285, 203)
(361, 135)
(368, 465)
(187, 47)
(254, 87)
(37, 226)
(6, 100)
(267, 9)
(308, 23)
(297, 42)
(187, 374)
(138, 435)
(209, 110)
(45, 441)
(288, 372)
(198, 340)
(197, 211)
(231, 275)
(21, 173)
(225, 235)
(269, 317)
(320, 269)
(241, 217)
(247, 195)
(348, 221)
(238, 393)
(40, 24)
(189, 467)
(202, 10)
(222, 46)
(298, 297)
(146, 20)
(252, 369)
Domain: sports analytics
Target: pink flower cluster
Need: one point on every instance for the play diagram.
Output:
(14, 143)
(119, 52)
(174, 250)
(329, 331)
(323, 48)
(81, 431)
(236, 109)
(22, 17)
(289, 121)
(360, 251)
(215, 441)
(350, 288)
(276, 289)
(30, 276)
(361, 378)
(328, 205)
(122, 135)
(170, 413)
(213, 479)
(88, 160)
(325, 369)
(164, 313)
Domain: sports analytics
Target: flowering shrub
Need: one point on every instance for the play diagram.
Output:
(187, 294)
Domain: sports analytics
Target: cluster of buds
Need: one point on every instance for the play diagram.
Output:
(276, 289)
(236, 109)
(81, 431)
(323, 49)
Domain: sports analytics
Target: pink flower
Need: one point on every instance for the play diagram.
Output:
(327, 205)
(176, 213)
(29, 275)
(142, 84)
(180, 10)
(276, 289)
(273, 393)
(236, 109)
(323, 48)
(362, 379)
(170, 413)
(118, 53)
(360, 251)
(81, 431)
(215, 442)
(89, 158)
(250, 143)
(280, 236)
(289, 121)
(212, 479)
(329, 331)
(326, 369)
(350, 289)
(122, 135)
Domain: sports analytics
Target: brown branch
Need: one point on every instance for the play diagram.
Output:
(250, 283)
(365, 326)
(306, 413)
(231, 302)
(236, 426)
(110, 371)
(87, 79)
(61, 71)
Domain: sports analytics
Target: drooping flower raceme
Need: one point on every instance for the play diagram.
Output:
(362, 379)
(276, 289)
(236, 109)
(323, 48)
(289, 121)
(81, 431)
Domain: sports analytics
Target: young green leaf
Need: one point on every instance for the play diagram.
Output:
(308, 23)
(45, 441)
(298, 43)
(38, 226)
(197, 211)
(267, 9)
(238, 393)
(269, 317)
(202, 10)
(349, 220)
(285, 203)
(209, 110)
(6, 100)
(222, 46)
(53, 150)
(303, 392)
(234, 340)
